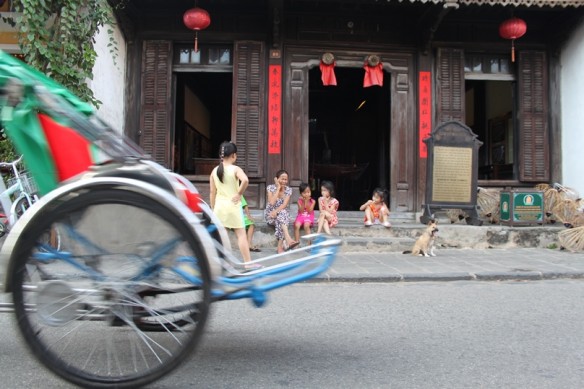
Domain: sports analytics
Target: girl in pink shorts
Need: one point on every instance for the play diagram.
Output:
(305, 215)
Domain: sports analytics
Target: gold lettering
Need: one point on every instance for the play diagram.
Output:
(452, 174)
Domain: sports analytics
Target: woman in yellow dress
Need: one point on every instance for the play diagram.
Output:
(228, 183)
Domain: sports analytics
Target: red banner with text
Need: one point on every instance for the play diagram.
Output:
(425, 112)
(275, 110)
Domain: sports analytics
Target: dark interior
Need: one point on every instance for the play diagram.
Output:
(214, 90)
(349, 135)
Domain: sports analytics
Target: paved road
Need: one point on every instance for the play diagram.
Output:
(376, 335)
(396, 335)
(370, 323)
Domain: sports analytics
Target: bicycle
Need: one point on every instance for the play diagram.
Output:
(20, 187)
(125, 298)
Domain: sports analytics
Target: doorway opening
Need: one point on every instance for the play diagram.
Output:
(202, 121)
(348, 142)
(490, 114)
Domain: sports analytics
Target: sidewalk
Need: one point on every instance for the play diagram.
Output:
(456, 265)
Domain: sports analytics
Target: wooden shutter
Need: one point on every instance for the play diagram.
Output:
(248, 102)
(534, 148)
(156, 110)
(450, 86)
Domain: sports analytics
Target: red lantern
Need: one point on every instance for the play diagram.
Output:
(513, 28)
(196, 19)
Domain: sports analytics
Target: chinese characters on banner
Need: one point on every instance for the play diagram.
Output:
(425, 110)
(275, 109)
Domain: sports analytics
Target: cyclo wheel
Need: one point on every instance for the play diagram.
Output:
(51, 239)
(116, 276)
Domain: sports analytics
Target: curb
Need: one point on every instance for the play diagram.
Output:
(455, 276)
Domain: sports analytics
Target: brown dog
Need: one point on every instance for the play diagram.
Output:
(424, 245)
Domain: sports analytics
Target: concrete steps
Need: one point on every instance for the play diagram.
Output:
(406, 228)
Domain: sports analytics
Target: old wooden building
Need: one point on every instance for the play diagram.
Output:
(401, 68)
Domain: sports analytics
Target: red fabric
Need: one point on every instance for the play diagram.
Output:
(192, 198)
(193, 201)
(373, 75)
(328, 74)
(70, 150)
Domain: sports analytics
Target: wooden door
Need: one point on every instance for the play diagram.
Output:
(534, 143)
(248, 120)
(156, 108)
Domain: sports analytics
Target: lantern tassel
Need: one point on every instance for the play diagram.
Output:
(196, 41)
(512, 50)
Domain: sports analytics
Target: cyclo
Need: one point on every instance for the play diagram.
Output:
(125, 297)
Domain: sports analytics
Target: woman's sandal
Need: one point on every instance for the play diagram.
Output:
(292, 246)
(255, 249)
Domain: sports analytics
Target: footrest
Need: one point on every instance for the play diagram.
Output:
(278, 270)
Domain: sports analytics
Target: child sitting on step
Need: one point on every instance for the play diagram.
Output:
(328, 207)
(376, 209)
(305, 217)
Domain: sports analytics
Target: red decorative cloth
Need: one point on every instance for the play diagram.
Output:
(70, 151)
(328, 74)
(373, 75)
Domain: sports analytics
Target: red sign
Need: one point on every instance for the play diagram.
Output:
(425, 110)
(275, 110)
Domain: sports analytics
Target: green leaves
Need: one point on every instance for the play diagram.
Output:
(57, 37)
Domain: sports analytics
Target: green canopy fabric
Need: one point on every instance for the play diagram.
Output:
(20, 119)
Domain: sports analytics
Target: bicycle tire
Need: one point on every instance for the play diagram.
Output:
(21, 205)
(84, 326)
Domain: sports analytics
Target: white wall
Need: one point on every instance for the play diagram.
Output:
(572, 105)
(109, 76)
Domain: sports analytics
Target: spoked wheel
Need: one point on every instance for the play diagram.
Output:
(125, 297)
(51, 239)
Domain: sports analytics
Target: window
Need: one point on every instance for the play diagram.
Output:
(219, 56)
(491, 67)
(214, 56)
(189, 56)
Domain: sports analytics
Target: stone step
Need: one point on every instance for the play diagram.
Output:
(405, 230)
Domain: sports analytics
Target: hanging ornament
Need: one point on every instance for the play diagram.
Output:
(327, 69)
(196, 19)
(373, 71)
(513, 28)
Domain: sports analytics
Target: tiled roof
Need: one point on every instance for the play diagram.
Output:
(529, 3)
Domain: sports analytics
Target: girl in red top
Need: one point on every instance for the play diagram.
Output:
(376, 209)
(328, 207)
(305, 215)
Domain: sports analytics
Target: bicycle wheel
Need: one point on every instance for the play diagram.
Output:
(50, 240)
(111, 306)
(22, 204)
